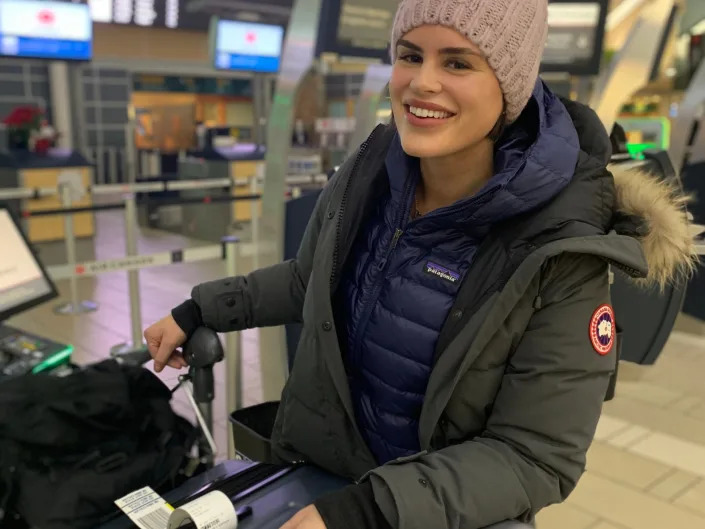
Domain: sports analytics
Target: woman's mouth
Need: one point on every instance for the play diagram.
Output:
(423, 117)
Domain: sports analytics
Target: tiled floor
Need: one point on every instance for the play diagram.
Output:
(646, 468)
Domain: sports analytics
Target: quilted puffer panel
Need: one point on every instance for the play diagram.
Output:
(403, 275)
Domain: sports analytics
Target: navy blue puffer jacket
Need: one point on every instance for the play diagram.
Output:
(403, 275)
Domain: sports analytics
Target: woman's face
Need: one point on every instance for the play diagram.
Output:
(445, 96)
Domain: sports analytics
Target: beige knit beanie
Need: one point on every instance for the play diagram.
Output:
(511, 33)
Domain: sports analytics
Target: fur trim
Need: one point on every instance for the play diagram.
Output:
(667, 242)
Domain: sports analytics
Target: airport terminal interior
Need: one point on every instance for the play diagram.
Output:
(148, 146)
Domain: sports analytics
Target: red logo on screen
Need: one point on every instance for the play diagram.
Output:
(251, 37)
(46, 16)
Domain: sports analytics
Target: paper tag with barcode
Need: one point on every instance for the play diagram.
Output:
(146, 508)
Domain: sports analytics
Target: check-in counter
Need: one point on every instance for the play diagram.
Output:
(240, 164)
(23, 169)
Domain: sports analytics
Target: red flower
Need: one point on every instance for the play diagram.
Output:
(24, 116)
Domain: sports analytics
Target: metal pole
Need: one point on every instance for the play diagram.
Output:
(70, 238)
(132, 275)
(100, 165)
(144, 164)
(155, 162)
(297, 60)
(233, 356)
(133, 282)
(255, 206)
(130, 153)
(204, 416)
(112, 165)
(376, 79)
(74, 306)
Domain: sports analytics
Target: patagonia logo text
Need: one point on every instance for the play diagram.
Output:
(442, 272)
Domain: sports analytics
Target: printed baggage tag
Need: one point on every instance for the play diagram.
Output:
(146, 508)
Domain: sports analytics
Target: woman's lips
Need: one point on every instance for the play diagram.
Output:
(429, 122)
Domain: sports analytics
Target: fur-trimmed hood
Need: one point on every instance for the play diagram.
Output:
(629, 201)
(654, 211)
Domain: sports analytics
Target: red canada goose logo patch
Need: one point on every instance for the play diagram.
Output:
(603, 330)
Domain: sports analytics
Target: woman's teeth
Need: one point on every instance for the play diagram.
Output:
(425, 113)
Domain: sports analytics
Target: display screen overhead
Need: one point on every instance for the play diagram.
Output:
(356, 28)
(149, 13)
(45, 30)
(575, 37)
(366, 23)
(247, 46)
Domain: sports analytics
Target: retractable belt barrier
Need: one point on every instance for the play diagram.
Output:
(137, 262)
(160, 202)
(71, 192)
(151, 187)
(116, 189)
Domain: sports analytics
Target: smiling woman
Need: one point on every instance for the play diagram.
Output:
(458, 340)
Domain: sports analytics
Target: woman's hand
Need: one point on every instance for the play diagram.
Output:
(306, 518)
(162, 340)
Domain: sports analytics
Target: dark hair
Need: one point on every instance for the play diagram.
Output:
(499, 128)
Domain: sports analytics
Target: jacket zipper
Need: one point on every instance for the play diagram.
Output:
(343, 204)
(382, 268)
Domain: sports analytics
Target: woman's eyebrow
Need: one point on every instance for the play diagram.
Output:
(407, 44)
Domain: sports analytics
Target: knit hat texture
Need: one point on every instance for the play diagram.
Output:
(511, 33)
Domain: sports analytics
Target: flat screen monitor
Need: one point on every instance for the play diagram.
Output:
(46, 29)
(246, 46)
(357, 28)
(576, 31)
(23, 281)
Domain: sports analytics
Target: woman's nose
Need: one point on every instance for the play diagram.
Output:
(426, 79)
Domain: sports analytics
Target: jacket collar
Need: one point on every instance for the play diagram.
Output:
(535, 159)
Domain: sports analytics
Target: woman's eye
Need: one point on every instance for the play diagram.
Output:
(458, 65)
(410, 57)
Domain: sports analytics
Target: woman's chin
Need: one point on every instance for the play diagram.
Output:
(425, 147)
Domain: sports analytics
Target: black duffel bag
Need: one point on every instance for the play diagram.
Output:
(69, 447)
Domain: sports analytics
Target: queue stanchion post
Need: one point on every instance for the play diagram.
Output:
(233, 353)
(130, 153)
(144, 164)
(74, 306)
(255, 206)
(136, 345)
(112, 176)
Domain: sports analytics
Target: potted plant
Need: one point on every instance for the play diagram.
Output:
(22, 122)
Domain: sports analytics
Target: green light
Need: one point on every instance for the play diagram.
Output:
(54, 360)
(636, 149)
